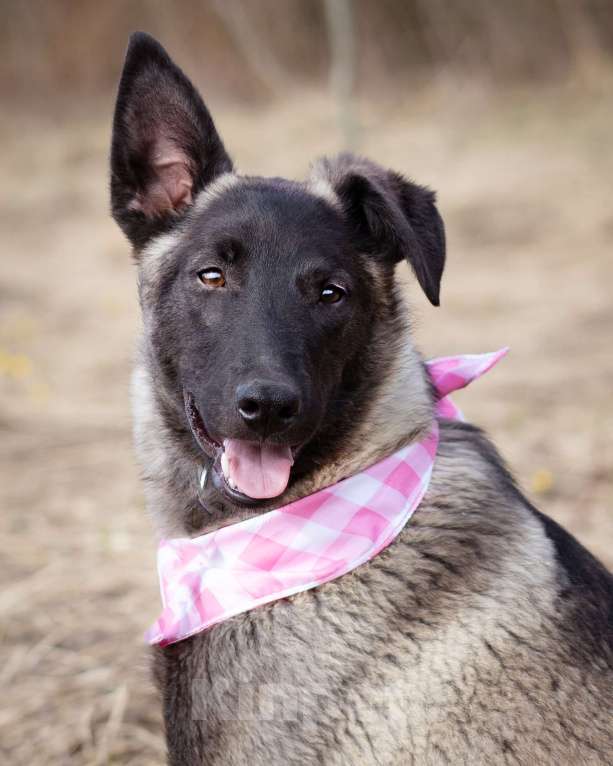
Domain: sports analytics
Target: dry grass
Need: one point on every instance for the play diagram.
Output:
(525, 190)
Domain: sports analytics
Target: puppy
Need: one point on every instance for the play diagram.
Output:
(273, 327)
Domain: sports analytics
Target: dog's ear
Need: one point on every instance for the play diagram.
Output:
(165, 147)
(390, 217)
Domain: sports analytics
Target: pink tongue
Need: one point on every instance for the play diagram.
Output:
(259, 471)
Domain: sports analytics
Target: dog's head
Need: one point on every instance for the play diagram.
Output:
(263, 298)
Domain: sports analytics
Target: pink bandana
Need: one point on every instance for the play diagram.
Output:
(207, 579)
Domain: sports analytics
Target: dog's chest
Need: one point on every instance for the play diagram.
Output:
(361, 670)
(310, 677)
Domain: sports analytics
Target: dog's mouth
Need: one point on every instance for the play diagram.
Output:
(245, 471)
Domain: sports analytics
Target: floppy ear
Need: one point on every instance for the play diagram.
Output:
(391, 218)
(165, 148)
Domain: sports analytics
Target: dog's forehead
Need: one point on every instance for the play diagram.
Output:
(272, 188)
(270, 208)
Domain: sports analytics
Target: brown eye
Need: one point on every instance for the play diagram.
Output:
(212, 277)
(332, 294)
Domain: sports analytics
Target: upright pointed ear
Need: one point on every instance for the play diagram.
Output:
(165, 148)
(390, 217)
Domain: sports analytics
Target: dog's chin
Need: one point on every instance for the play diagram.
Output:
(246, 473)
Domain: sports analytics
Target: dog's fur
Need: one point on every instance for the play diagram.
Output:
(482, 635)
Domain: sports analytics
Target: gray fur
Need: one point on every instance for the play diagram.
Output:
(456, 645)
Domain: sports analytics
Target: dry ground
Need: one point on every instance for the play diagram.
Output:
(525, 188)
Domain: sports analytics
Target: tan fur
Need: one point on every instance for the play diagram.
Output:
(151, 261)
(215, 189)
(158, 456)
(319, 185)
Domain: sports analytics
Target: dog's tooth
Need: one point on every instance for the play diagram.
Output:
(225, 466)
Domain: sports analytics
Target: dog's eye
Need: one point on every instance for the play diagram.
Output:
(212, 277)
(332, 294)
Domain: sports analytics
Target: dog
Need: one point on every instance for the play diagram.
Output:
(273, 327)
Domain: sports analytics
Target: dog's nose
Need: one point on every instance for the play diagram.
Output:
(267, 407)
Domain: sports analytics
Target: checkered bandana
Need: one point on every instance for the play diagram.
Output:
(207, 579)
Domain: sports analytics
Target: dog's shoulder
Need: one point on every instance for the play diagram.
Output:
(475, 505)
(586, 587)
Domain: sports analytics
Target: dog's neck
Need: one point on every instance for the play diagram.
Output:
(396, 411)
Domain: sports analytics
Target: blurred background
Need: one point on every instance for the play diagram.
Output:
(505, 108)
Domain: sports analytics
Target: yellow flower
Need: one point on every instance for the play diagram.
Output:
(17, 366)
(542, 481)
